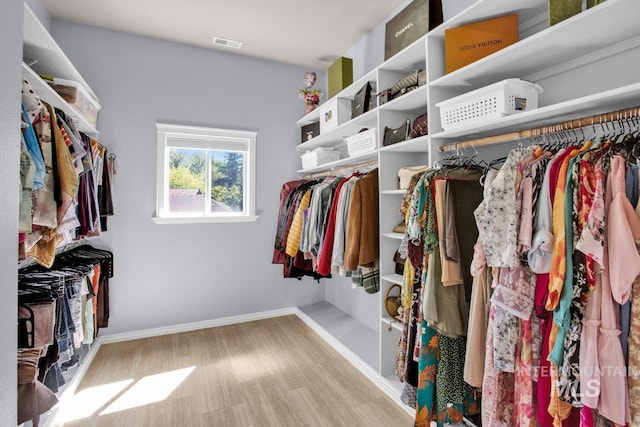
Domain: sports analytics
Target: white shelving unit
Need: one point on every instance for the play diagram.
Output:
(46, 57)
(47, 93)
(584, 65)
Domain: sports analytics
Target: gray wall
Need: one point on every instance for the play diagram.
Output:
(173, 274)
(11, 54)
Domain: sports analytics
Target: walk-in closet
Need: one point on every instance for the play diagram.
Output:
(376, 213)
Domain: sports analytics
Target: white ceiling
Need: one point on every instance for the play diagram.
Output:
(309, 33)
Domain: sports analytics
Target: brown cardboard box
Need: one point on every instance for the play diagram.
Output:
(468, 43)
(340, 75)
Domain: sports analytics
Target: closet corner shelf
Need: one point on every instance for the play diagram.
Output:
(614, 99)
(414, 145)
(515, 60)
(394, 323)
(393, 278)
(47, 93)
(335, 136)
(348, 161)
(397, 236)
(389, 192)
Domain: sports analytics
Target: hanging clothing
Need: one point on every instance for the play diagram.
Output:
(362, 245)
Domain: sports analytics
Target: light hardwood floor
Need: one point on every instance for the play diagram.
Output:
(274, 372)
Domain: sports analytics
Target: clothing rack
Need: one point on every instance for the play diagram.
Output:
(569, 125)
(29, 261)
(360, 167)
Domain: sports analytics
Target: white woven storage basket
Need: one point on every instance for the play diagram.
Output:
(361, 143)
(500, 99)
(318, 157)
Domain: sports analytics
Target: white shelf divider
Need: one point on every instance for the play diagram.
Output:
(396, 236)
(393, 323)
(414, 145)
(348, 161)
(393, 278)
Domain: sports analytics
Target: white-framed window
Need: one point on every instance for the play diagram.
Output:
(205, 175)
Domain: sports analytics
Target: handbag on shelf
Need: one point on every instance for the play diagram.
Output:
(399, 261)
(393, 136)
(405, 84)
(384, 96)
(420, 126)
(406, 173)
(392, 303)
(361, 101)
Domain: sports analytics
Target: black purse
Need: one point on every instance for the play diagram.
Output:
(393, 136)
(361, 101)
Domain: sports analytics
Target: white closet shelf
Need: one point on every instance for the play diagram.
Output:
(415, 99)
(400, 192)
(395, 324)
(49, 95)
(393, 278)
(348, 92)
(553, 46)
(40, 46)
(614, 99)
(415, 145)
(336, 135)
(397, 236)
(349, 161)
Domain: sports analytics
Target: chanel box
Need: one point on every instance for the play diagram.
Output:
(410, 24)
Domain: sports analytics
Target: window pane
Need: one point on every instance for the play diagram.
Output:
(187, 180)
(227, 181)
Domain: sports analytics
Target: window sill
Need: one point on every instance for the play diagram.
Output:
(204, 219)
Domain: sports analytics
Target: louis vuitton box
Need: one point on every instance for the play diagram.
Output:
(468, 43)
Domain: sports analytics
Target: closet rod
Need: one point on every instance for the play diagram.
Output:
(340, 171)
(598, 119)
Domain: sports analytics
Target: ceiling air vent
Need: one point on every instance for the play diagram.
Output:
(227, 43)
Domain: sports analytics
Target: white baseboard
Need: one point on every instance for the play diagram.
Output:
(194, 326)
(342, 349)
